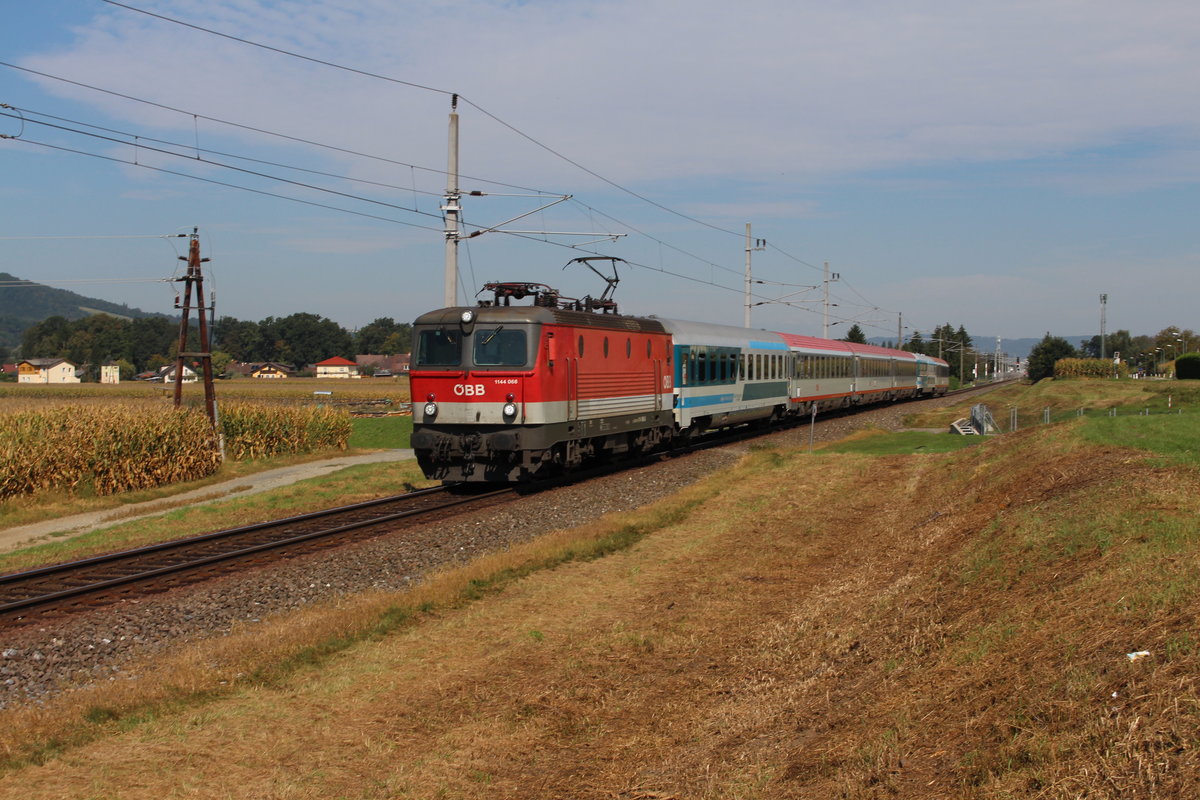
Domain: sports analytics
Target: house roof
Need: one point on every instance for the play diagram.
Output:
(336, 361)
(44, 363)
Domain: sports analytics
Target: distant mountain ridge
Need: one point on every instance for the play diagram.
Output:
(24, 306)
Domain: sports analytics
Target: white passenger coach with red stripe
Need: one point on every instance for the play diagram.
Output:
(508, 393)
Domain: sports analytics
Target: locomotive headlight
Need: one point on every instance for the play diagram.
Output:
(468, 317)
(431, 409)
(510, 409)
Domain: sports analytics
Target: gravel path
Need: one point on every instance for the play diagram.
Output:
(25, 535)
(97, 645)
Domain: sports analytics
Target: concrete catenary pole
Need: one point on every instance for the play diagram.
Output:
(452, 209)
(1103, 308)
(825, 282)
(746, 316)
(751, 246)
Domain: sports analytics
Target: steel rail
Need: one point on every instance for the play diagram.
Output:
(12, 581)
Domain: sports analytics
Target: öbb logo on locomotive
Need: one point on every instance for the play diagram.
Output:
(583, 383)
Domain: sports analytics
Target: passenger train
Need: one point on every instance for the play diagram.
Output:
(508, 393)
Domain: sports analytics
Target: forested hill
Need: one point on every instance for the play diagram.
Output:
(25, 305)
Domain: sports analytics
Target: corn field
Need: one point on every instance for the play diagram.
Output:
(258, 431)
(119, 448)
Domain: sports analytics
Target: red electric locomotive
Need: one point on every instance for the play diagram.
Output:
(508, 393)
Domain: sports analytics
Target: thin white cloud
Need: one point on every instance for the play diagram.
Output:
(655, 90)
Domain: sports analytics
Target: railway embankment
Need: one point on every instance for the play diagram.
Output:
(1010, 619)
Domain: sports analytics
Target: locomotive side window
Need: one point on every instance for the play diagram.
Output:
(628, 348)
(500, 347)
(439, 348)
(581, 345)
(606, 347)
(647, 348)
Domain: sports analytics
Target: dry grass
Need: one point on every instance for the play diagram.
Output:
(806, 626)
(1068, 396)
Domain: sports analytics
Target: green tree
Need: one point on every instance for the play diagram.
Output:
(46, 339)
(370, 338)
(855, 334)
(1120, 342)
(397, 342)
(242, 339)
(149, 338)
(305, 338)
(220, 362)
(1175, 340)
(916, 343)
(1044, 355)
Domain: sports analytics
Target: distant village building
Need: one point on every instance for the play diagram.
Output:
(337, 367)
(167, 374)
(46, 370)
(269, 370)
(110, 373)
(388, 365)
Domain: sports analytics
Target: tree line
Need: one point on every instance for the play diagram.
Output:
(143, 344)
(1146, 354)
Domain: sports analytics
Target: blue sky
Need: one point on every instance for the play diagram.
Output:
(997, 165)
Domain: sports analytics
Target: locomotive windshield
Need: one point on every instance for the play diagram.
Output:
(500, 347)
(440, 347)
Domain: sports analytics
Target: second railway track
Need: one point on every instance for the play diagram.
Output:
(96, 579)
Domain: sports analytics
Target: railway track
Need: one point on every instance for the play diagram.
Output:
(97, 580)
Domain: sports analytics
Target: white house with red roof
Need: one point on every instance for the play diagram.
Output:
(337, 367)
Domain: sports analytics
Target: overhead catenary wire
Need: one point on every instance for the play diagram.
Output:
(139, 138)
(447, 92)
(660, 242)
(232, 185)
(210, 162)
(377, 76)
(263, 131)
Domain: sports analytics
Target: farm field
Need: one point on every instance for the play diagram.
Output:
(291, 390)
(53, 433)
(966, 624)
